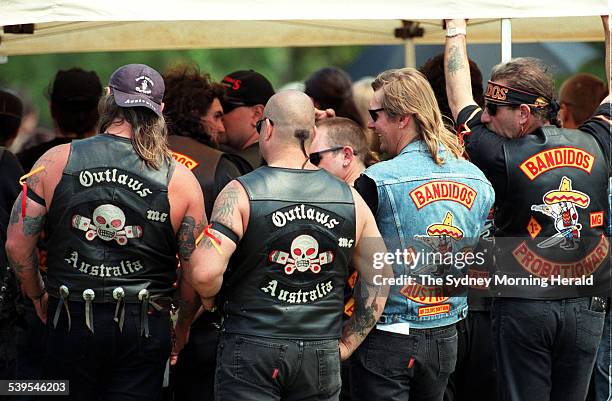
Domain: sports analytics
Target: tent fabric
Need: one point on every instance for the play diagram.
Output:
(113, 25)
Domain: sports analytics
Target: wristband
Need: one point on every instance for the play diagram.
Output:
(453, 31)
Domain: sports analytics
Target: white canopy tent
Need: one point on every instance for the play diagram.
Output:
(119, 25)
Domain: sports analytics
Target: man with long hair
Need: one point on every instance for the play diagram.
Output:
(550, 213)
(430, 206)
(116, 210)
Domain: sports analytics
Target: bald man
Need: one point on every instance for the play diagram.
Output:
(579, 97)
(278, 249)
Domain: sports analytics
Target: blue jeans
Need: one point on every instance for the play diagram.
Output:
(545, 350)
(391, 366)
(603, 367)
(261, 369)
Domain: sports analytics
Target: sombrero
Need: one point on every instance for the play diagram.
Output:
(445, 228)
(566, 194)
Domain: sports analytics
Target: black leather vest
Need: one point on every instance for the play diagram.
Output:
(552, 220)
(286, 279)
(109, 223)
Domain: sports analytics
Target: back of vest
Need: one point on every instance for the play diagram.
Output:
(109, 223)
(550, 227)
(286, 279)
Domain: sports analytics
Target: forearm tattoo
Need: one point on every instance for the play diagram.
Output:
(364, 316)
(186, 237)
(455, 59)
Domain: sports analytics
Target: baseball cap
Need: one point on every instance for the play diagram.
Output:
(138, 85)
(245, 88)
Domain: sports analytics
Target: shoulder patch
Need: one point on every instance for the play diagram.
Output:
(564, 156)
(185, 160)
(435, 191)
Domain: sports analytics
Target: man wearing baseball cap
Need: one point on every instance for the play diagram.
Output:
(247, 92)
(114, 229)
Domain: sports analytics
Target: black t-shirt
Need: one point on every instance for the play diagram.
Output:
(30, 156)
(485, 148)
(367, 189)
(9, 189)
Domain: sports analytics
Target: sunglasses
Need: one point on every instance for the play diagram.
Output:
(492, 107)
(315, 157)
(374, 113)
(259, 124)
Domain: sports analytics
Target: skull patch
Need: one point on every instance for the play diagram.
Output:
(107, 223)
(304, 256)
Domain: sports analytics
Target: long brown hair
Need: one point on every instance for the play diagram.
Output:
(407, 92)
(149, 132)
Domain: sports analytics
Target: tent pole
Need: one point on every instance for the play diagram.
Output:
(506, 40)
(409, 53)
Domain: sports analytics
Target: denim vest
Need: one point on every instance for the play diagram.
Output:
(425, 207)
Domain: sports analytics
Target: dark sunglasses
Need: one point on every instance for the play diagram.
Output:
(259, 124)
(374, 113)
(315, 157)
(492, 107)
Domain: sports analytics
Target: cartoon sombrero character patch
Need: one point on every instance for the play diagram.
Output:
(440, 237)
(560, 204)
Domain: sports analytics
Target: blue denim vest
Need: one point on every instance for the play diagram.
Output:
(424, 206)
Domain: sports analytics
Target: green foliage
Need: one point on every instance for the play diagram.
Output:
(281, 65)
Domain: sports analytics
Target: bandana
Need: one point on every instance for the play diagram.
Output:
(504, 95)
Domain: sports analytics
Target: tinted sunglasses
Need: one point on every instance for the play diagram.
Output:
(259, 124)
(374, 113)
(315, 157)
(492, 107)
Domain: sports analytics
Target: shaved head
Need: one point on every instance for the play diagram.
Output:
(292, 112)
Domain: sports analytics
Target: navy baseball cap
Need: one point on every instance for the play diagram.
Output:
(245, 88)
(138, 85)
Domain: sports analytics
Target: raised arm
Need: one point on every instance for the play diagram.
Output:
(372, 289)
(457, 69)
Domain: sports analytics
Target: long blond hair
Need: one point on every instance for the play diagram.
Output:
(407, 92)
(149, 131)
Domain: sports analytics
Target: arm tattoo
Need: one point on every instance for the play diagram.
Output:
(364, 314)
(455, 60)
(224, 206)
(33, 225)
(186, 237)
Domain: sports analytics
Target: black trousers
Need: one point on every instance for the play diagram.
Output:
(107, 365)
(393, 367)
(474, 378)
(545, 350)
(266, 369)
(193, 377)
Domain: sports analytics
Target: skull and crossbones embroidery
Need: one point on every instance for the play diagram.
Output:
(107, 223)
(304, 256)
